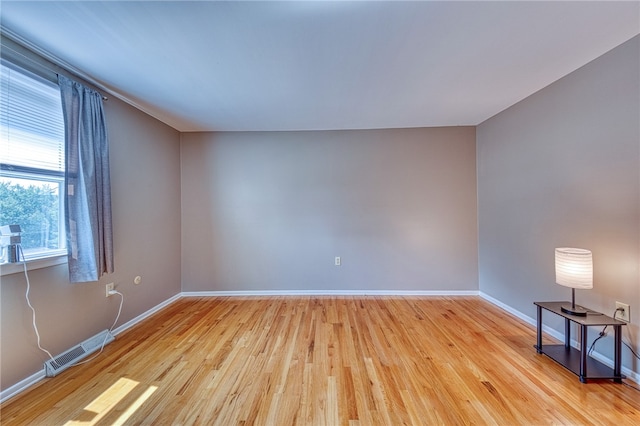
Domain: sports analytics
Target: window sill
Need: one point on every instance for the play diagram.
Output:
(34, 263)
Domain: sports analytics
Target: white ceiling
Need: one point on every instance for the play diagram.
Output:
(323, 65)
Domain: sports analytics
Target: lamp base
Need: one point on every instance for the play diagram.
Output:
(574, 310)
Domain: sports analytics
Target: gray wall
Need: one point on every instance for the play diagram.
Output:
(561, 168)
(269, 211)
(145, 176)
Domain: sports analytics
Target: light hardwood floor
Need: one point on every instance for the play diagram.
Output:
(324, 361)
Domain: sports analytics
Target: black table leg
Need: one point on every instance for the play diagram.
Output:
(617, 354)
(539, 341)
(577, 359)
(583, 354)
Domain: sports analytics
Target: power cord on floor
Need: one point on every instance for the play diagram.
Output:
(603, 333)
(631, 386)
(631, 349)
(35, 326)
(33, 311)
(623, 342)
(104, 342)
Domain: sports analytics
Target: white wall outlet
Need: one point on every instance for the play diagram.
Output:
(624, 314)
(109, 288)
(338, 261)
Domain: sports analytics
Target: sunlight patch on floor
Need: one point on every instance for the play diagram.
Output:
(105, 402)
(133, 407)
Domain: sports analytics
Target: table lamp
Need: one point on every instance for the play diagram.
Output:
(574, 268)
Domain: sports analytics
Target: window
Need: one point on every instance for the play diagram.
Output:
(32, 160)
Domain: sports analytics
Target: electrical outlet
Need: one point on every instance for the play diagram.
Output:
(109, 288)
(623, 314)
(338, 261)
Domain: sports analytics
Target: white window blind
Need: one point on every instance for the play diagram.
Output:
(31, 123)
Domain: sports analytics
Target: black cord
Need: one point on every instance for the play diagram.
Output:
(602, 333)
(625, 343)
(631, 386)
(600, 336)
(631, 349)
(615, 313)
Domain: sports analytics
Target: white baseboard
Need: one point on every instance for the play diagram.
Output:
(145, 315)
(327, 293)
(632, 375)
(21, 386)
(35, 378)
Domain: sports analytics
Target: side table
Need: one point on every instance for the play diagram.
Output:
(578, 361)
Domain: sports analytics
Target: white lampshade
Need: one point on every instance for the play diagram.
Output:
(574, 267)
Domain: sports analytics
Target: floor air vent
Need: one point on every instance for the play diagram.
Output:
(77, 353)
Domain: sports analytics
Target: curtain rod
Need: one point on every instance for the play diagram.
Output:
(40, 62)
(36, 55)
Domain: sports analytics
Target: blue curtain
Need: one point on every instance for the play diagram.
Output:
(88, 189)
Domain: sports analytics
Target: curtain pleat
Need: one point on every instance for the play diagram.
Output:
(87, 183)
